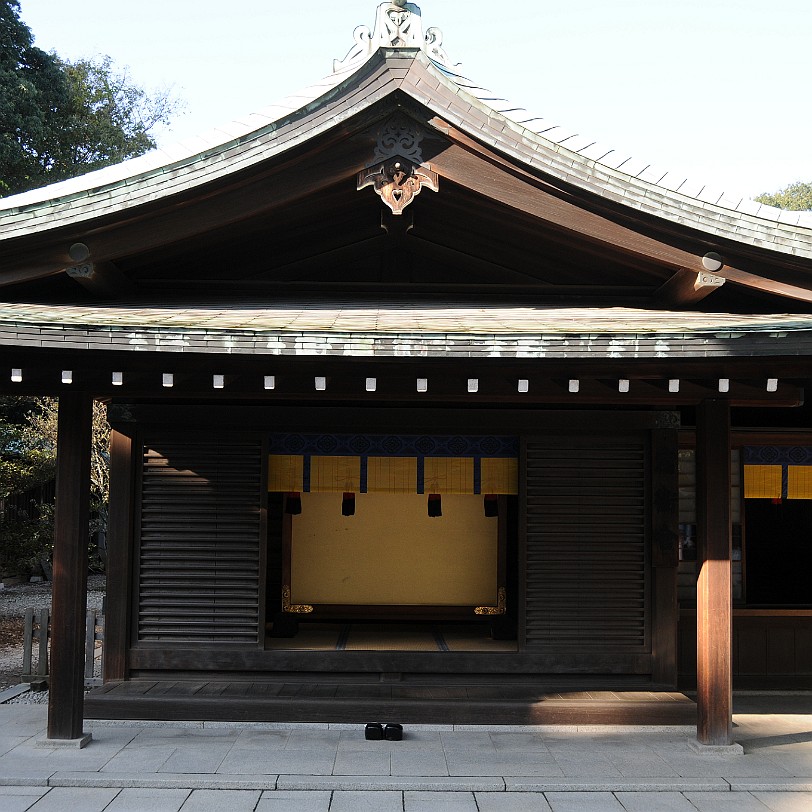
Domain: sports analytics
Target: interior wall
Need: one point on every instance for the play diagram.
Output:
(392, 553)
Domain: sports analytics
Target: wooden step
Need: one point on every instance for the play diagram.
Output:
(412, 704)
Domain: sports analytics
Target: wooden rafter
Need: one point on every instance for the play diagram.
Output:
(686, 288)
(100, 279)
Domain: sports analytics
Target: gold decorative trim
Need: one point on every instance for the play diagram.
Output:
(294, 608)
(398, 183)
(499, 609)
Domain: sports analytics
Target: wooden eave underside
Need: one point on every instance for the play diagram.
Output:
(295, 220)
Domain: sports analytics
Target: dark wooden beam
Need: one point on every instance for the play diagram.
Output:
(761, 283)
(485, 172)
(101, 279)
(69, 602)
(714, 612)
(686, 288)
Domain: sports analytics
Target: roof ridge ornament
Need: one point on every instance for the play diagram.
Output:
(398, 24)
(397, 171)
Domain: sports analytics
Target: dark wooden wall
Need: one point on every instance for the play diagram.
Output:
(587, 573)
(200, 549)
(772, 649)
(195, 555)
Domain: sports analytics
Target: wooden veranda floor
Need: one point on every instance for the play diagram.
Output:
(358, 702)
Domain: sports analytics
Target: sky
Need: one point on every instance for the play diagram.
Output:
(715, 90)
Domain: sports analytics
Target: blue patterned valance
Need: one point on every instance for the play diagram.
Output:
(777, 472)
(395, 445)
(777, 455)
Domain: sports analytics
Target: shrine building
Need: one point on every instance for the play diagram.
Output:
(419, 409)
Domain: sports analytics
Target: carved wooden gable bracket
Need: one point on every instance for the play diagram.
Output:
(397, 172)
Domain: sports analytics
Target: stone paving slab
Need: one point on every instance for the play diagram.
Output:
(25, 799)
(770, 784)
(16, 778)
(18, 803)
(366, 802)
(511, 802)
(397, 783)
(281, 801)
(149, 800)
(86, 799)
(511, 768)
(534, 784)
(654, 802)
(731, 802)
(582, 801)
(422, 801)
(785, 801)
(162, 781)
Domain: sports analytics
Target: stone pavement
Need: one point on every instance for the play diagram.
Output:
(316, 768)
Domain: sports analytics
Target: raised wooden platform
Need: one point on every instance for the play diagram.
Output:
(358, 702)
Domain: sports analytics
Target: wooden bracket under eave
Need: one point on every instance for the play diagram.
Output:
(685, 288)
(103, 280)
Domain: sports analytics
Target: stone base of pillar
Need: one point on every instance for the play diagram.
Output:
(716, 749)
(73, 744)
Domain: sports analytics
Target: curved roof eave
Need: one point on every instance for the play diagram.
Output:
(240, 145)
(744, 221)
(168, 170)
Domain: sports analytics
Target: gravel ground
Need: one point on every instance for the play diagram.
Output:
(14, 600)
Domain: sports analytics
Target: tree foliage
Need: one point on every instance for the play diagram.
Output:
(33, 94)
(59, 119)
(28, 437)
(795, 197)
(41, 432)
(108, 119)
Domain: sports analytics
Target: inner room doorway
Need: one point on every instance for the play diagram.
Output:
(394, 572)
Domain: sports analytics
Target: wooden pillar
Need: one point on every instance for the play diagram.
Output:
(68, 605)
(664, 555)
(714, 614)
(119, 557)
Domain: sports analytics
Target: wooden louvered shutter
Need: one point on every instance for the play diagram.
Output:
(587, 551)
(199, 567)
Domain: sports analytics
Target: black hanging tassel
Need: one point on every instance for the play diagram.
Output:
(491, 505)
(435, 505)
(293, 504)
(348, 504)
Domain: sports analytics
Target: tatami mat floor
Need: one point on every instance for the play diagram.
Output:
(390, 637)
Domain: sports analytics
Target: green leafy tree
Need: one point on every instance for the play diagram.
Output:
(59, 119)
(796, 197)
(34, 93)
(25, 460)
(108, 118)
(28, 437)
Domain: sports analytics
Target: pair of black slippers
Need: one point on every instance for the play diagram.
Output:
(375, 731)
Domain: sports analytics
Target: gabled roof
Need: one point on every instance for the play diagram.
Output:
(325, 136)
(430, 81)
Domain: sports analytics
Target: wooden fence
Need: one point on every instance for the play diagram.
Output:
(37, 634)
